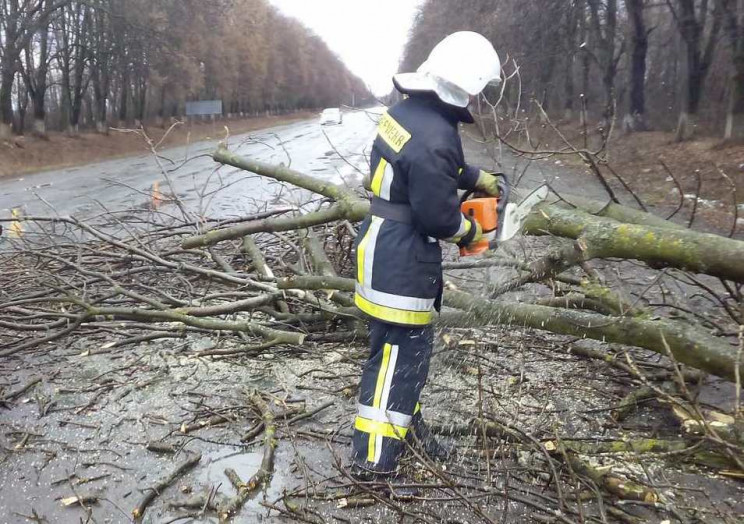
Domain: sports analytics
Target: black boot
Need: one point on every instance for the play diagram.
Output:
(392, 484)
(421, 438)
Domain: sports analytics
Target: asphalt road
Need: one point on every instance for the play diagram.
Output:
(337, 153)
(128, 182)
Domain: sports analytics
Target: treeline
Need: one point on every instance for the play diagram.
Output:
(653, 63)
(70, 63)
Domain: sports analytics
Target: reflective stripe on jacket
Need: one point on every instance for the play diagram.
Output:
(416, 161)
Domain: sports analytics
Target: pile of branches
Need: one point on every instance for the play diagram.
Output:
(66, 273)
(281, 279)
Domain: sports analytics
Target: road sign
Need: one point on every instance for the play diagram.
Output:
(204, 108)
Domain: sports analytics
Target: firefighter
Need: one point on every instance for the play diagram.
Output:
(417, 166)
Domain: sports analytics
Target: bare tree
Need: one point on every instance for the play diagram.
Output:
(699, 23)
(604, 24)
(19, 22)
(101, 55)
(71, 30)
(733, 13)
(572, 21)
(636, 117)
(142, 58)
(35, 72)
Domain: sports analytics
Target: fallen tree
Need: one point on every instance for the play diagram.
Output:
(618, 233)
(286, 310)
(612, 232)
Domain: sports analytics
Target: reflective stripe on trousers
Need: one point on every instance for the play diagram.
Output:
(391, 383)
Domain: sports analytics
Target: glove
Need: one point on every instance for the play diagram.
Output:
(488, 183)
(474, 235)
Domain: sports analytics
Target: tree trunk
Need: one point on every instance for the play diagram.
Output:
(604, 31)
(100, 83)
(124, 98)
(732, 12)
(599, 237)
(36, 78)
(6, 101)
(141, 102)
(39, 96)
(77, 109)
(100, 115)
(163, 108)
(639, 48)
(699, 59)
(585, 59)
(687, 345)
(40, 129)
(20, 122)
(617, 234)
(689, 114)
(735, 113)
(569, 85)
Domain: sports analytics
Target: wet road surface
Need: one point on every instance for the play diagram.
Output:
(128, 182)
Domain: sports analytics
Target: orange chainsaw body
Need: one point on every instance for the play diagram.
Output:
(485, 212)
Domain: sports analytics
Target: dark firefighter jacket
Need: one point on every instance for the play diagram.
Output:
(417, 166)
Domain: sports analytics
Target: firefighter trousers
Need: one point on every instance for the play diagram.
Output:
(392, 381)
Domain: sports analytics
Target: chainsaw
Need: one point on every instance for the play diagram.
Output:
(499, 218)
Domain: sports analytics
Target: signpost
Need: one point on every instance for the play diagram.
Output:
(204, 108)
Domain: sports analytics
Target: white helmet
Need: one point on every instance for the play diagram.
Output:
(458, 67)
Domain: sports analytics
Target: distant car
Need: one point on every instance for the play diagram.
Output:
(332, 115)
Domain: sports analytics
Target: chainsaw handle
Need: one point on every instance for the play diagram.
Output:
(466, 195)
(505, 191)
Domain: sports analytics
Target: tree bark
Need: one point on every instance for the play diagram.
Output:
(353, 211)
(686, 344)
(598, 237)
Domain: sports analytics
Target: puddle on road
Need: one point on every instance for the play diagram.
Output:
(245, 465)
(210, 473)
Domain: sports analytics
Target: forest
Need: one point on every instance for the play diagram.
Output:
(655, 64)
(67, 64)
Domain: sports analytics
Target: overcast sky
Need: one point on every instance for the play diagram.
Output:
(368, 36)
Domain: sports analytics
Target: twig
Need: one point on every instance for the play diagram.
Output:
(12, 395)
(697, 198)
(155, 490)
(263, 474)
(310, 413)
(734, 198)
(679, 189)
